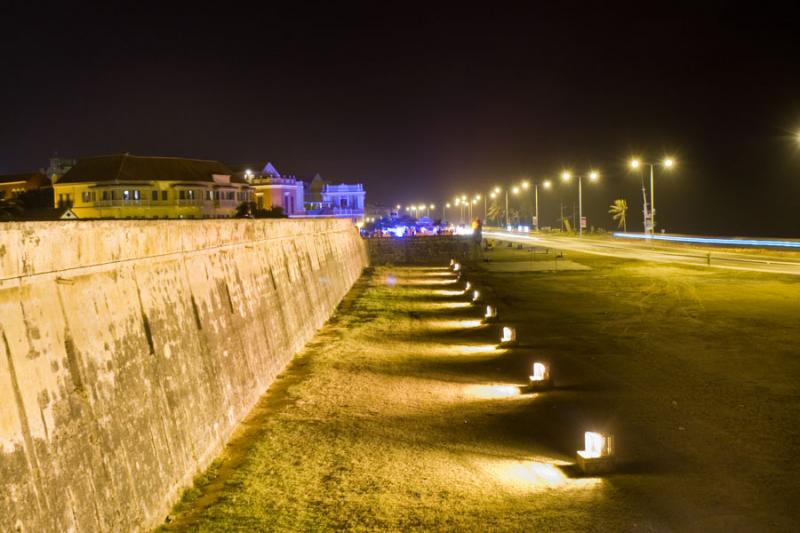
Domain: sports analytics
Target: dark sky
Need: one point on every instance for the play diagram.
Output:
(421, 103)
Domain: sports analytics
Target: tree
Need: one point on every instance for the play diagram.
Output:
(250, 210)
(618, 211)
(495, 212)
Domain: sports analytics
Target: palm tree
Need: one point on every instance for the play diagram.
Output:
(618, 210)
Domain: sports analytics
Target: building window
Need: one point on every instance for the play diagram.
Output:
(190, 194)
(343, 202)
(155, 196)
(86, 196)
(126, 195)
(164, 195)
(208, 195)
(136, 194)
(182, 195)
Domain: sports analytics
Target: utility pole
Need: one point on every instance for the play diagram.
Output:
(506, 207)
(652, 203)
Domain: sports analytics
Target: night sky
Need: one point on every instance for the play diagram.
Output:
(421, 103)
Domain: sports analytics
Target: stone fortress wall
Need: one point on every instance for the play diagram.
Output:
(129, 351)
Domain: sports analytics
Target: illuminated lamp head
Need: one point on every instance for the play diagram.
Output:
(476, 295)
(597, 445)
(540, 372)
(491, 312)
(509, 335)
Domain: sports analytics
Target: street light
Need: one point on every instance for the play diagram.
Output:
(593, 176)
(635, 163)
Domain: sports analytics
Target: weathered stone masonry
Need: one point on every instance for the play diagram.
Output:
(129, 350)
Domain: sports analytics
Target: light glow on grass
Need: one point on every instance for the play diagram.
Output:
(535, 475)
(473, 348)
(447, 293)
(452, 305)
(490, 392)
(423, 281)
(454, 324)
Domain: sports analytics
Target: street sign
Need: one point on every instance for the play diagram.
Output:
(583, 222)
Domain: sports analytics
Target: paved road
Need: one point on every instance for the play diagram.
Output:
(757, 261)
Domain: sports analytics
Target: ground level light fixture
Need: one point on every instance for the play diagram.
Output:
(456, 267)
(540, 379)
(508, 337)
(490, 314)
(598, 455)
(476, 295)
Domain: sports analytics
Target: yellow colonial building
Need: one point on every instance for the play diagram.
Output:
(128, 186)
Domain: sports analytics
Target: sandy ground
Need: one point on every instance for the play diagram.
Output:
(402, 414)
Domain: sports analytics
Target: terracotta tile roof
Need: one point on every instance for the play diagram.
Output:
(126, 167)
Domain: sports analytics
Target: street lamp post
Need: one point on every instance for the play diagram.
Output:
(667, 162)
(593, 176)
(546, 185)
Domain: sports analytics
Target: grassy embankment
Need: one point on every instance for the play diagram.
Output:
(401, 414)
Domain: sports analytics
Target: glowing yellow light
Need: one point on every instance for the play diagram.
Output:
(541, 474)
(509, 335)
(497, 190)
(635, 163)
(477, 196)
(433, 206)
(359, 225)
(476, 296)
(458, 201)
(454, 324)
(493, 195)
(467, 287)
(472, 348)
(597, 445)
(525, 185)
(546, 184)
(447, 205)
(491, 312)
(540, 372)
(492, 391)
(453, 305)
(594, 175)
(668, 162)
(456, 267)
(566, 176)
(444, 292)
(452, 262)
(464, 198)
(515, 190)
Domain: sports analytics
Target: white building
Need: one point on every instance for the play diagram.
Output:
(343, 200)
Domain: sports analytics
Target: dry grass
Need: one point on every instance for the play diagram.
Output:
(401, 415)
